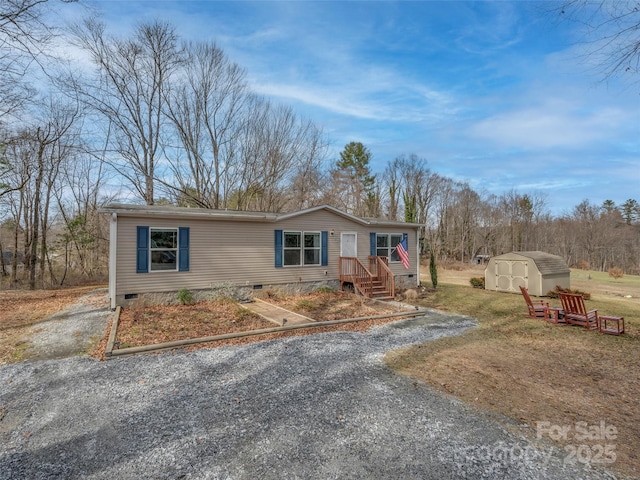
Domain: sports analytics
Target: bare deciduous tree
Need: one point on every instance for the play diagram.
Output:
(24, 38)
(392, 180)
(273, 147)
(207, 109)
(51, 147)
(129, 92)
(612, 32)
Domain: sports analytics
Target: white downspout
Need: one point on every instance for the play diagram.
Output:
(113, 244)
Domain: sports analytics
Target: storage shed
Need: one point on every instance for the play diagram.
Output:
(537, 271)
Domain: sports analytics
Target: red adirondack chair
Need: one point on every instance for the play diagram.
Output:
(536, 310)
(576, 313)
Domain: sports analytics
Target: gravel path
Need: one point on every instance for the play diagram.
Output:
(315, 407)
(71, 331)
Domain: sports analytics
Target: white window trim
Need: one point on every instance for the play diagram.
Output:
(389, 248)
(301, 249)
(177, 249)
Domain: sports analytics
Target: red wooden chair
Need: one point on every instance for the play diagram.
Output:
(536, 310)
(575, 312)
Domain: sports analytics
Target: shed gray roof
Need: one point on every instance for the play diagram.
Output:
(546, 263)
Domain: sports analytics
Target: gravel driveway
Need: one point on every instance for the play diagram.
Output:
(320, 406)
(71, 331)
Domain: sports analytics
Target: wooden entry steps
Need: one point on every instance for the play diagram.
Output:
(380, 291)
(376, 281)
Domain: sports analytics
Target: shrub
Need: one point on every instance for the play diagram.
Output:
(242, 314)
(616, 273)
(324, 289)
(185, 296)
(306, 304)
(410, 294)
(583, 265)
(555, 292)
(272, 294)
(477, 282)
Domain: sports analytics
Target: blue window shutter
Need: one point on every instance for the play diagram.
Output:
(278, 248)
(142, 250)
(406, 237)
(183, 249)
(325, 248)
(374, 247)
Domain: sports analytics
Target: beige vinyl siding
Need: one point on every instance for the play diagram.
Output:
(242, 252)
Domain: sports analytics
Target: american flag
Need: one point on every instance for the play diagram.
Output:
(402, 249)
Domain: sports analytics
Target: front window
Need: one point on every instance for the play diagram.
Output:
(292, 246)
(312, 248)
(386, 244)
(301, 248)
(164, 249)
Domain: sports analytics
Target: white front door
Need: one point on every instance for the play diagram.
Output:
(348, 244)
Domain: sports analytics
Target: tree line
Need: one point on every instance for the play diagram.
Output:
(159, 120)
(458, 223)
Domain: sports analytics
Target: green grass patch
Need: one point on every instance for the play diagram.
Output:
(603, 278)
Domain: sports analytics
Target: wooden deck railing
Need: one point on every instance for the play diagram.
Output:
(363, 278)
(384, 274)
(352, 270)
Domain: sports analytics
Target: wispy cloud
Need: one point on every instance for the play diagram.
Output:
(490, 28)
(385, 101)
(554, 124)
(485, 91)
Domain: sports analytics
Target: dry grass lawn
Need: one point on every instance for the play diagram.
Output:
(534, 371)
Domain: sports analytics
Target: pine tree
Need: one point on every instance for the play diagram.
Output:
(353, 167)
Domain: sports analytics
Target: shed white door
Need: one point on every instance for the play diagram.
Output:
(348, 244)
(511, 275)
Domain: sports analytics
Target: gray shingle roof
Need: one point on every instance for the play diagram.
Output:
(546, 263)
(170, 211)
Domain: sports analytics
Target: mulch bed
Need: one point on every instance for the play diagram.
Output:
(324, 306)
(149, 325)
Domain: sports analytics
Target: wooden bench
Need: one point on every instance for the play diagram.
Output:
(611, 325)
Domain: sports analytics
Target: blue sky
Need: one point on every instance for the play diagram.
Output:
(497, 94)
